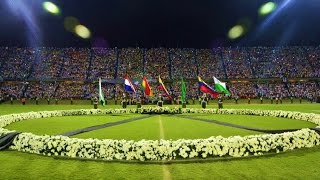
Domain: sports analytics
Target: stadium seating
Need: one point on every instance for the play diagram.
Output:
(66, 73)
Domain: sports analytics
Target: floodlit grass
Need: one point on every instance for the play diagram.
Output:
(297, 164)
(181, 128)
(173, 128)
(18, 165)
(136, 130)
(260, 122)
(10, 109)
(229, 104)
(59, 125)
(309, 108)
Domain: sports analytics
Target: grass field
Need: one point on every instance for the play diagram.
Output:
(297, 164)
(258, 121)
(173, 128)
(59, 125)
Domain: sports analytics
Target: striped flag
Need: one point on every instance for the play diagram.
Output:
(128, 85)
(163, 88)
(205, 88)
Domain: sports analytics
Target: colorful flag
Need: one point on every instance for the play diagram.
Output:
(163, 88)
(220, 86)
(128, 85)
(183, 91)
(101, 95)
(205, 88)
(146, 88)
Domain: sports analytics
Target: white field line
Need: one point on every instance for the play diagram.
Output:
(165, 168)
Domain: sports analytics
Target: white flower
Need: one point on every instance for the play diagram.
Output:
(164, 149)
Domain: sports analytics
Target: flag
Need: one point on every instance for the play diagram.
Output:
(163, 88)
(128, 85)
(146, 88)
(220, 86)
(205, 88)
(101, 95)
(183, 91)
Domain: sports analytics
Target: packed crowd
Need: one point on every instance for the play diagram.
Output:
(103, 63)
(41, 90)
(237, 63)
(157, 63)
(272, 90)
(183, 63)
(87, 64)
(243, 89)
(48, 64)
(313, 56)
(209, 63)
(290, 62)
(11, 89)
(130, 62)
(71, 72)
(261, 61)
(304, 89)
(76, 64)
(81, 90)
(16, 63)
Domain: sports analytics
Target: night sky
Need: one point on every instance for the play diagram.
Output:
(166, 23)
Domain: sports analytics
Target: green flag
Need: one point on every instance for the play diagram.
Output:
(101, 95)
(183, 91)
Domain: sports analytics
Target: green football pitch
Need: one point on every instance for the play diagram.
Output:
(297, 164)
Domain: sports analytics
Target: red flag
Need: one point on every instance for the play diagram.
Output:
(146, 88)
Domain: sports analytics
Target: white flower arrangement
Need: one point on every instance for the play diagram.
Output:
(109, 149)
(159, 110)
(143, 150)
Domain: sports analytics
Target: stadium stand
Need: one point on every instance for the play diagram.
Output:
(66, 73)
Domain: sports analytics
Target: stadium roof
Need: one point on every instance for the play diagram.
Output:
(155, 23)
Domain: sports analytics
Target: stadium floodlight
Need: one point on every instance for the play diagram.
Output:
(267, 8)
(82, 31)
(236, 32)
(51, 8)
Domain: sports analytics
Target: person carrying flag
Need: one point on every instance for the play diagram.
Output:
(163, 89)
(128, 87)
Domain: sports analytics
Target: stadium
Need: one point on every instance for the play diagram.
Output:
(158, 90)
